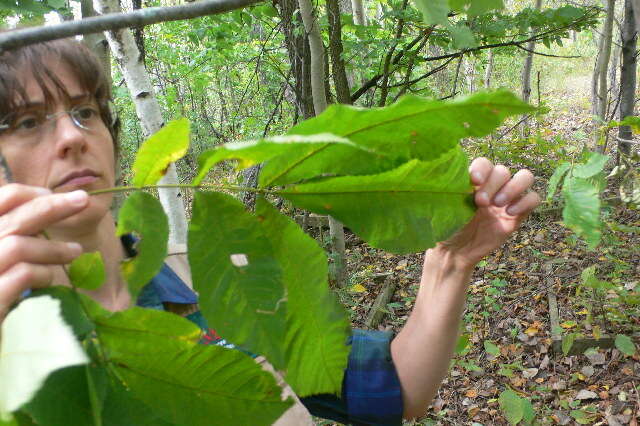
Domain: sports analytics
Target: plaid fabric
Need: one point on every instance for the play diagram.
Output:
(370, 389)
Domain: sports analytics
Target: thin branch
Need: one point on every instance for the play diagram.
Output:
(544, 54)
(116, 21)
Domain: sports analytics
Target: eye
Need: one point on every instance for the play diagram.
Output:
(28, 122)
(85, 112)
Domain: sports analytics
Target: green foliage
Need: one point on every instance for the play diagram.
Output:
(87, 271)
(516, 408)
(25, 361)
(567, 342)
(164, 147)
(581, 189)
(491, 348)
(142, 215)
(261, 281)
(625, 345)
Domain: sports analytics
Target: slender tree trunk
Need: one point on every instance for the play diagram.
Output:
(125, 51)
(359, 17)
(336, 228)
(384, 85)
(599, 83)
(96, 42)
(488, 70)
(526, 77)
(343, 93)
(627, 75)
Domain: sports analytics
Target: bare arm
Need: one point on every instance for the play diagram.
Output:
(423, 348)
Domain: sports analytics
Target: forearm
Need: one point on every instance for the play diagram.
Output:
(423, 349)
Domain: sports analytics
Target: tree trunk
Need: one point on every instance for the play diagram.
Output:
(599, 83)
(320, 104)
(488, 70)
(359, 17)
(526, 77)
(127, 56)
(97, 43)
(627, 76)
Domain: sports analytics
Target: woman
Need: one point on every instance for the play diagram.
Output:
(59, 140)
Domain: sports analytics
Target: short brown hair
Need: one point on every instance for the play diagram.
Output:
(33, 58)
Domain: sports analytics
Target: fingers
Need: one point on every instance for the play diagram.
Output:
(33, 216)
(15, 194)
(495, 187)
(17, 248)
(19, 278)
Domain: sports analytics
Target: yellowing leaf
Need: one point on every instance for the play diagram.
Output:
(167, 145)
(35, 342)
(358, 288)
(531, 331)
(568, 324)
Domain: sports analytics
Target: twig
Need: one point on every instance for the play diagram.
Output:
(545, 54)
(116, 21)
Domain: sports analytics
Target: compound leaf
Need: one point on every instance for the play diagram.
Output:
(317, 325)
(142, 215)
(237, 276)
(167, 145)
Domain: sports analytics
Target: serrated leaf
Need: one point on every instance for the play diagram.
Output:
(558, 174)
(158, 357)
(317, 324)
(581, 212)
(594, 165)
(142, 215)
(625, 345)
(312, 147)
(87, 271)
(463, 37)
(237, 276)
(405, 210)
(164, 147)
(511, 406)
(567, 342)
(25, 361)
(491, 348)
(412, 128)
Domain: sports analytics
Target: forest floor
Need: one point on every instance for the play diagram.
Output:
(506, 324)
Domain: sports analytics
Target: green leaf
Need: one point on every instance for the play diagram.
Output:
(581, 416)
(581, 212)
(142, 215)
(491, 348)
(434, 11)
(463, 344)
(253, 152)
(594, 165)
(317, 324)
(71, 310)
(158, 357)
(479, 7)
(462, 36)
(237, 276)
(404, 210)
(511, 406)
(625, 345)
(25, 361)
(567, 342)
(87, 271)
(412, 128)
(558, 174)
(167, 145)
(527, 411)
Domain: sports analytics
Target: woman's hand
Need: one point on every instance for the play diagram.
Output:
(26, 260)
(503, 203)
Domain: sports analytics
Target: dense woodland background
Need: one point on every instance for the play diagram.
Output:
(249, 73)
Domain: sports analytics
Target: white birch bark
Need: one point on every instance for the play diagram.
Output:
(488, 70)
(336, 229)
(359, 17)
(126, 54)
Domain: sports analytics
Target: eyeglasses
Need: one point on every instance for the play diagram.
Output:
(32, 125)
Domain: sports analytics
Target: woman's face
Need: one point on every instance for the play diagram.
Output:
(57, 153)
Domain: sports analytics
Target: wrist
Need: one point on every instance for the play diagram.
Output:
(449, 261)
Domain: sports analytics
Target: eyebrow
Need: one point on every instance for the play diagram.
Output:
(41, 104)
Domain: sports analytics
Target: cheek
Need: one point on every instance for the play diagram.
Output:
(29, 168)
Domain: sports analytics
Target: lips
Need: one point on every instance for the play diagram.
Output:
(79, 178)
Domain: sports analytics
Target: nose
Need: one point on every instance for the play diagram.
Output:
(69, 138)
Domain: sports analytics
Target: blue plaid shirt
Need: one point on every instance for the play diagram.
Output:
(370, 387)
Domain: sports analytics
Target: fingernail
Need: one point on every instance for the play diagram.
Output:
(43, 191)
(513, 210)
(500, 200)
(477, 177)
(75, 248)
(483, 196)
(77, 198)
